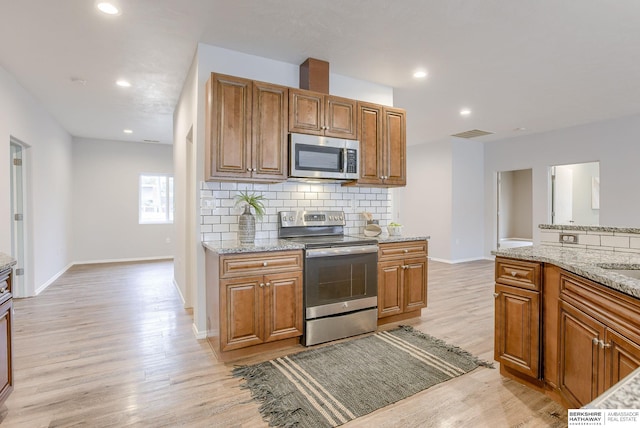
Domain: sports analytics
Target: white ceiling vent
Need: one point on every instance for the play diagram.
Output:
(472, 134)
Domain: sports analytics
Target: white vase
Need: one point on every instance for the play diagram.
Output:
(246, 226)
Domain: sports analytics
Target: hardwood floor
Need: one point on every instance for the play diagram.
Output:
(110, 345)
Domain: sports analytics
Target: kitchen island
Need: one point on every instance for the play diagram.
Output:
(568, 321)
(255, 291)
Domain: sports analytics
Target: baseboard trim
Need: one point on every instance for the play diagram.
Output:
(198, 334)
(52, 279)
(133, 259)
(182, 299)
(453, 262)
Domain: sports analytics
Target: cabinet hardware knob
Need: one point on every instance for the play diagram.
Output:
(265, 264)
(254, 170)
(405, 267)
(249, 169)
(595, 341)
(268, 284)
(496, 295)
(514, 273)
(2, 290)
(406, 251)
(261, 284)
(604, 345)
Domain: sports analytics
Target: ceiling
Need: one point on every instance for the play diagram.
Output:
(533, 64)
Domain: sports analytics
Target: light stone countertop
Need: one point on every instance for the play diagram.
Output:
(386, 239)
(623, 395)
(234, 247)
(6, 261)
(589, 228)
(584, 262)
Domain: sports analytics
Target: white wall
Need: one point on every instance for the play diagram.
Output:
(467, 209)
(424, 206)
(48, 190)
(214, 59)
(612, 142)
(105, 201)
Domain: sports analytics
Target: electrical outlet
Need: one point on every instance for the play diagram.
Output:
(569, 238)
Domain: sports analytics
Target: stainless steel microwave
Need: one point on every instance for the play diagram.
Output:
(313, 156)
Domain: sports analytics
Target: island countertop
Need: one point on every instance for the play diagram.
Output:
(259, 246)
(6, 261)
(591, 264)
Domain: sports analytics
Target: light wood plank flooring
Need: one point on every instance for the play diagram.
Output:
(110, 345)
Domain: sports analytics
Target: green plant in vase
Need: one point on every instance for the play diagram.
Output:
(246, 221)
(253, 201)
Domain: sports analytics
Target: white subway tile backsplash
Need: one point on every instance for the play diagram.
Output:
(220, 221)
(549, 237)
(615, 241)
(593, 240)
(635, 242)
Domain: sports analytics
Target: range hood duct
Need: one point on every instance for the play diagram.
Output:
(314, 75)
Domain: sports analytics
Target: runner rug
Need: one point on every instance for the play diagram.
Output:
(331, 385)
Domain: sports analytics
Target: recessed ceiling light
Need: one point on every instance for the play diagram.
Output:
(520, 129)
(108, 8)
(127, 131)
(78, 81)
(465, 112)
(420, 74)
(123, 83)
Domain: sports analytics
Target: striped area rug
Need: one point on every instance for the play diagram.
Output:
(331, 385)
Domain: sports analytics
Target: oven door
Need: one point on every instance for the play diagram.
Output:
(340, 280)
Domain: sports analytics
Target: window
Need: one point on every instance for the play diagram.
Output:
(156, 199)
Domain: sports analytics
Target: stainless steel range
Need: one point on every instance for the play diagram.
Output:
(340, 275)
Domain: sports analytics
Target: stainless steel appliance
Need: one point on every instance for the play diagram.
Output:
(340, 275)
(313, 156)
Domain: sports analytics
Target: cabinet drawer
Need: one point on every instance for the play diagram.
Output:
(260, 263)
(402, 249)
(518, 273)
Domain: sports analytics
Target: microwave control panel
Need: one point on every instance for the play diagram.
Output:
(352, 161)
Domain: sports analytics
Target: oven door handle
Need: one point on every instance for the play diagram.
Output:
(340, 251)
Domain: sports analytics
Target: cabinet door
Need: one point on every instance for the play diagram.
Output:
(283, 306)
(340, 117)
(622, 356)
(370, 136)
(6, 363)
(390, 288)
(415, 283)
(395, 145)
(306, 112)
(517, 329)
(581, 359)
(241, 312)
(228, 145)
(269, 137)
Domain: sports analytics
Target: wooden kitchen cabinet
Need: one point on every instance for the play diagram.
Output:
(6, 321)
(402, 280)
(255, 298)
(321, 114)
(599, 338)
(382, 136)
(517, 316)
(246, 130)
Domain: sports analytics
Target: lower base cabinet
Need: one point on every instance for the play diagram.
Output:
(589, 334)
(6, 321)
(253, 298)
(402, 279)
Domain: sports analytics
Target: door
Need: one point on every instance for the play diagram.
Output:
(562, 195)
(228, 146)
(283, 306)
(581, 359)
(517, 329)
(370, 134)
(18, 215)
(415, 280)
(306, 112)
(242, 315)
(390, 288)
(623, 357)
(269, 136)
(395, 140)
(340, 117)
(514, 208)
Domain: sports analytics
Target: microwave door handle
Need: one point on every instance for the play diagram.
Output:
(344, 160)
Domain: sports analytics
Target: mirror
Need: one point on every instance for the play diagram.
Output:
(575, 194)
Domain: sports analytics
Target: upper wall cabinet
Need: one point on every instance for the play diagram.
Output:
(383, 146)
(320, 114)
(246, 130)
